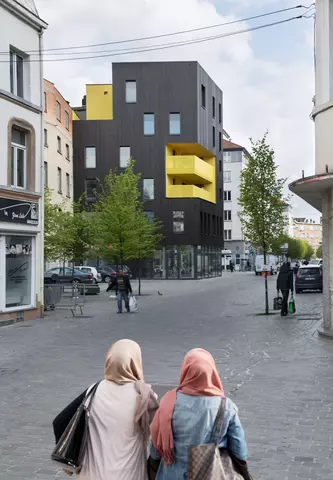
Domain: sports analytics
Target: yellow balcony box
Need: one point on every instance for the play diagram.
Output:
(189, 191)
(190, 168)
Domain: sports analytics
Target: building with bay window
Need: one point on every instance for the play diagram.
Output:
(21, 167)
(168, 117)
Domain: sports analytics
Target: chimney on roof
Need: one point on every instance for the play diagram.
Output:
(84, 100)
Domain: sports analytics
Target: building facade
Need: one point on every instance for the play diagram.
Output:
(236, 247)
(168, 117)
(58, 147)
(308, 230)
(21, 153)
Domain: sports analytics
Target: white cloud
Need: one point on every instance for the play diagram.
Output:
(258, 94)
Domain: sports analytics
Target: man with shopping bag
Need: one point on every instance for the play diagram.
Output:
(285, 283)
(121, 283)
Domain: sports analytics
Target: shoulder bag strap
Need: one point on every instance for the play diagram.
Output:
(90, 395)
(218, 423)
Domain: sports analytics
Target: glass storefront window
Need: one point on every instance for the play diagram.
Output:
(186, 261)
(159, 264)
(18, 271)
(199, 262)
(172, 262)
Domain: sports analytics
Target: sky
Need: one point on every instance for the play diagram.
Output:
(267, 76)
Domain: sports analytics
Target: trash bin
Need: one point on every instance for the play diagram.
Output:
(52, 295)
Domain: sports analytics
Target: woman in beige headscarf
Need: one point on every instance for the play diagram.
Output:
(122, 410)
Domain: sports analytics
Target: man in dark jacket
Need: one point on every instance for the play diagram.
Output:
(285, 282)
(123, 288)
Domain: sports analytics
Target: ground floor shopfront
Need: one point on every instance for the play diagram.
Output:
(20, 253)
(183, 262)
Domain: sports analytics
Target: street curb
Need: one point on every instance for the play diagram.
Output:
(10, 321)
(325, 333)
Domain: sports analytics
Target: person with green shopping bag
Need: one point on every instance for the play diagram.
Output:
(285, 283)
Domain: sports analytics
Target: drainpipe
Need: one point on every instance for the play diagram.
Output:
(41, 206)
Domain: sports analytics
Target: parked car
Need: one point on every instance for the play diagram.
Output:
(106, 273)
(309, 277)
(50, 277)
(124, 268)
(86, 269)
(71, 275)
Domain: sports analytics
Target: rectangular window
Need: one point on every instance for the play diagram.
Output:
(227, 195)
(19, 159)
(220, 193)
(130, 91)
(213, 107)
(178, 221)
(19, 271)
(59, 144)
(227, 176)
(220, 165)
(124, 156)
(220, 113)
(91, 189)
(201, 223)
(227, 234)
(66, 119)
(58, 111)
(45, 138)
(67, 151)
(174, 124)
(149, 124)
(203, 96)
(227, 215)
(59, 181)
(45, 102)
(46, 174)
(220, 141)
(148, 189)
(227, 157)
(208, 229)
(68, 191)
(16, 74)
(90, 157)
(214, 224)
(213, 132)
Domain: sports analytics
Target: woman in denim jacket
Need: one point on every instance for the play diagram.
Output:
(186, 416)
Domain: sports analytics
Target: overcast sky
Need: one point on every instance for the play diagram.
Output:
(267, 75)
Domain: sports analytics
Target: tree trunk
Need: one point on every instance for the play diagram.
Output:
(266, 288)
(139, 277)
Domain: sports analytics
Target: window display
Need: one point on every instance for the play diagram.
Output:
(18, 271)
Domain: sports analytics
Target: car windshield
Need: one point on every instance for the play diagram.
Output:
(309, 271)
(85, 270)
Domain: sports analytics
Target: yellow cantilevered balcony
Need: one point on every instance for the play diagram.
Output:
(190, 172)
(190, 168)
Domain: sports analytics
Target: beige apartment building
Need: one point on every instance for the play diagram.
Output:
(307, 229)
(58, 146)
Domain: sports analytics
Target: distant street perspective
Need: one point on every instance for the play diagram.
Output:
(275, 369)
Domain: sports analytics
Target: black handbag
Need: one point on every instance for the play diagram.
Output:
(71, 448)
(277, 302)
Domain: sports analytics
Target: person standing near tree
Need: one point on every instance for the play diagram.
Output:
(124, 288)
(285, 283)
(231, 266)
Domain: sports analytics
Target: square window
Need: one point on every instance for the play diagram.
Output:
(227, 157)
(148, 189)
(130, 91)
(213, 132)
(227, 176)
(17, 73)
(213, 107)
(67, 151)
(59, 144)
(58, 111)
(66, 119)
(227, 234)
(174, 124)
(45, 138)
(220, 113)
(203, 96)
(149, 124)
(178, 221)
(124, 156)
(90, 157)
(68, 192)
(59, 181)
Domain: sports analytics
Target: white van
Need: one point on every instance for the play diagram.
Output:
(271, 264)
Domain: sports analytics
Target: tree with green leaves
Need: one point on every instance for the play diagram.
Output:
(54, 219)
(319, 252)
(122, 229)
(261, 201)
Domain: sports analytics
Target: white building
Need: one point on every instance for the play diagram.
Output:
(289, 226)
(21, 166)
(318, 189)
(234, 161)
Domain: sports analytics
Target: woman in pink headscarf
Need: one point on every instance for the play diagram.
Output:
(186, 416)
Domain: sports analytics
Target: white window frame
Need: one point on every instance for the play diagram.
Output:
(46, 174)
(227, 157)
(143, 192)
(15, 147)
(123, 159)
(59, 177)
(128, 91)
(58, 110)
(67, 151)
(68, 185)
(13, 72)
(3, 307)
(66, 120)
(229, 176)
(92, 148)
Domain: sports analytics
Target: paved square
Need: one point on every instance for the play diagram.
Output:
(276, 369)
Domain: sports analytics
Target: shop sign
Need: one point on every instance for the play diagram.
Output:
(18, 211)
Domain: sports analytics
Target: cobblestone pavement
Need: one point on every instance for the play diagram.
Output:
(276, 369)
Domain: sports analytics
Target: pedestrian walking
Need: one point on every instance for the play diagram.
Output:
(122, 285)
(231, 266)
(285, 284)
(121, 412)
(186, 418)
